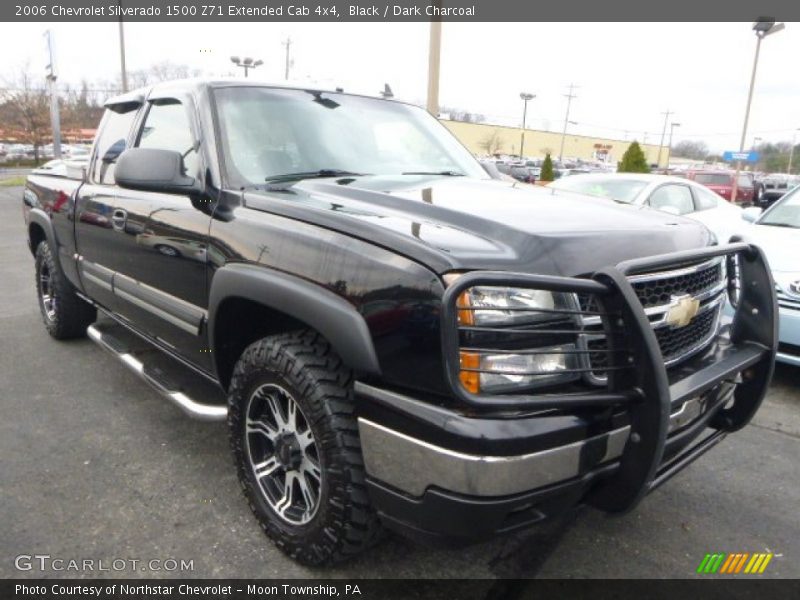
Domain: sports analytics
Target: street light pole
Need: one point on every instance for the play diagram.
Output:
(524, 96)
(791, 151)
(55, 117)
(763, 27)
(247, 63)
(123, 70)
(672, 127)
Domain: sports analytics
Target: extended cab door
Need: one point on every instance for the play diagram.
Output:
(104, 240)
(165, 290)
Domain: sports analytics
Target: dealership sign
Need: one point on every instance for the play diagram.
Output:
(730, 156)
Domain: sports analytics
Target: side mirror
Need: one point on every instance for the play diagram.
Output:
(751, 213)
(154, 170)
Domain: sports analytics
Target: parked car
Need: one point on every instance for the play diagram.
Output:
(721, 182)
(674, 195)
(393, 338)
(523, 174)
(777, 232)
(775, 186)
(491, 168)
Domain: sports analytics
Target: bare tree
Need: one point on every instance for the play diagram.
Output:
(25, 109)
(492, 143)
(690, 149)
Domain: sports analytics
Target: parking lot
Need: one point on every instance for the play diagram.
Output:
(96, 465)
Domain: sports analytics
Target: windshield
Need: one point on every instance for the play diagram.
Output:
(621, 190)
(785, 213)
(713, 178)
(268, 133)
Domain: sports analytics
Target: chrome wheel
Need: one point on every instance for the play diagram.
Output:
(283, 454)
(47, 293)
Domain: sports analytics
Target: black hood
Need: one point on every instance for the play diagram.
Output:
(458, 223)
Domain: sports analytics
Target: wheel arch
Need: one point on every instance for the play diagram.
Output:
(248, 302)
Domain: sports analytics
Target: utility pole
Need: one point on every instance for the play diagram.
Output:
(434, 58)
(287, 43)
(123, 70)
(663, 134)
(569, 98)
(791, 152)
(55, 118)
(672, 127)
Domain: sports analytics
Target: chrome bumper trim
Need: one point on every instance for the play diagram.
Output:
(412, 465)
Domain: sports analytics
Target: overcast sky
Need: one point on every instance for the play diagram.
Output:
(628, 74)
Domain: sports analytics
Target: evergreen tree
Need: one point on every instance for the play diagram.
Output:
(633, 161)
(547, 169)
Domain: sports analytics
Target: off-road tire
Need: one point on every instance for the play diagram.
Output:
(69, 315)
(304, 364)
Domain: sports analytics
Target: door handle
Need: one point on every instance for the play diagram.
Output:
(118, 218)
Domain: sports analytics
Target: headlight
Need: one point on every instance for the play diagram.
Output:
(503, 372)
(500, 306)
(547, 358)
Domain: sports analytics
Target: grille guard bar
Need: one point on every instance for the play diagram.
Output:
(644, 389)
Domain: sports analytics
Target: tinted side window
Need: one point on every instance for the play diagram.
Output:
(678, 198)
(167, 127)
(705, 198)
(111, 141)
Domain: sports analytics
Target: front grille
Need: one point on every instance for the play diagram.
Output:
(675, 343)
(657, 291)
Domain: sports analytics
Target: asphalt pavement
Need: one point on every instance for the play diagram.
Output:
(95, 465)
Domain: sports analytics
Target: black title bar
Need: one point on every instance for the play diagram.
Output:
(332, 11)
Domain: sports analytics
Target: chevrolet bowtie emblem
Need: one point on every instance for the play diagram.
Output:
(794, 288)
(682, 310)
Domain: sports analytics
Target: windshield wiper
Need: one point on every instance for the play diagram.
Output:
(443, 173)
(312, 175)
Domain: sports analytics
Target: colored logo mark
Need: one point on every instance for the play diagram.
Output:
(734, 563)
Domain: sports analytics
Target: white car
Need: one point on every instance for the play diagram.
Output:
(777, 232)
(674, 195)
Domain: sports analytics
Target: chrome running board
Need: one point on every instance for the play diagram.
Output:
(149, 363)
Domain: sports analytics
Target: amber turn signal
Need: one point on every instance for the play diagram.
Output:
(470, 379)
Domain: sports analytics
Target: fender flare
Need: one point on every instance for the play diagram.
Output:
(39, 217)
(331, 315)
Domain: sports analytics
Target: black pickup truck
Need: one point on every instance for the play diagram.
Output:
(395, 339)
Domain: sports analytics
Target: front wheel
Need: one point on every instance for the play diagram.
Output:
(295, 443)
(65, 315)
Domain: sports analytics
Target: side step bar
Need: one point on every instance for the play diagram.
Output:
(157, 380)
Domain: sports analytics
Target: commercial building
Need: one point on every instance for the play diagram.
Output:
(483, 139)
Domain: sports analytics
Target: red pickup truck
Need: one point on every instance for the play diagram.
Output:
(722, 183)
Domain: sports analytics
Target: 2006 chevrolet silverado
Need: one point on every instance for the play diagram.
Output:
(393, 338)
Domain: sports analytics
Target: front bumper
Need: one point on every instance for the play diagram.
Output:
(473, 472)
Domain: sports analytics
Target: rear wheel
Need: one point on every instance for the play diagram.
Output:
(65, 315)
(295, 442)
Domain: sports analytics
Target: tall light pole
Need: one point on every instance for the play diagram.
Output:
(672, 127)
(663, 133)
(246, 63)
(123, 70)
(55, 117)
(763, 27)
(569, 98)
(524, 96)
(791, 151)
(288, 45)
